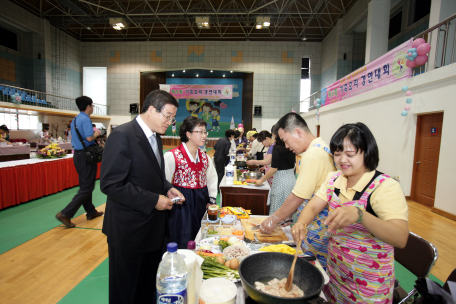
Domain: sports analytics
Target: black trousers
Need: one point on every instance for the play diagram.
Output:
(87, 174)
(220, 168)
(132, 276)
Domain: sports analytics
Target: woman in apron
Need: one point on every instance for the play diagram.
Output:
(367, 218)
(266, 139)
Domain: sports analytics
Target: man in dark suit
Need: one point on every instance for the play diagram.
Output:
(136, 219)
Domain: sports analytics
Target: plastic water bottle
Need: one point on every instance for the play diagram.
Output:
(229, 174)
(232, 155)
(172, 278)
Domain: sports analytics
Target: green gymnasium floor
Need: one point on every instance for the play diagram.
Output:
(24, 222)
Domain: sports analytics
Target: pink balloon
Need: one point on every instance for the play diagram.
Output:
(407, 108)
(408, 93)
(417, 42)
(410, 64)
(421, 59)
(423, 49)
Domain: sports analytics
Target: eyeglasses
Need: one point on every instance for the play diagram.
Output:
(170, 120)
(201, 132)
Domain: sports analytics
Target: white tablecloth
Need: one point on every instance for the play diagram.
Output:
(12, 150)
(30, 161)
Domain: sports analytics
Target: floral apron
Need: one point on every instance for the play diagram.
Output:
(360, 266)
(317, 238)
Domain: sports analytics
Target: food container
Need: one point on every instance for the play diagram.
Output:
(241, 248)
(212, 213)
(205, 222)
(217, 291)
(252, 175)
(224, 231)
(228, 219)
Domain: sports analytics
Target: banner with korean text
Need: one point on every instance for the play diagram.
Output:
(387, 69)
(209, 91)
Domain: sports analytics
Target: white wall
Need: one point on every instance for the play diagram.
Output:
(381, 111)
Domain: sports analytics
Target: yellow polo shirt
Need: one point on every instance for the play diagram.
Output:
(316, 163)
(387, 200)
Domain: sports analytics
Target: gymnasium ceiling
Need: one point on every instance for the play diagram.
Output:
(174, 20)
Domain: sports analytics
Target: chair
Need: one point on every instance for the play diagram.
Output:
(418, 256)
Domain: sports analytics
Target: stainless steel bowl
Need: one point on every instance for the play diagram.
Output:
(252, 175)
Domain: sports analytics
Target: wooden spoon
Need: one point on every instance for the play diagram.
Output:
(291, 273)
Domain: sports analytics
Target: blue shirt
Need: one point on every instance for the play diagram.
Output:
(84, 125)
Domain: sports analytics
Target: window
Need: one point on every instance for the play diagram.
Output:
(305, 78)
(421, 9)
(395, 24)
(9, 39)
(95, 83)
(26, 122)
(9, 120)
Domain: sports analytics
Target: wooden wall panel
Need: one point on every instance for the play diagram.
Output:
(149, 81)
(247, 101)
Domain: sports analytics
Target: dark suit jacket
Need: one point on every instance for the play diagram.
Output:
(132, 180)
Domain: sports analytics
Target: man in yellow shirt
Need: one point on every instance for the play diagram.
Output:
(316, 163)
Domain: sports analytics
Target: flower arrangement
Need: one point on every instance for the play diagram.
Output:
(51, 151)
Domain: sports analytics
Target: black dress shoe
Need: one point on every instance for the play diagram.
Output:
(96, 214)
(65, 220)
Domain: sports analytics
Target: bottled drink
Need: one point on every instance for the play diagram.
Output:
(232, 155)
(229, 174)
(172, 278)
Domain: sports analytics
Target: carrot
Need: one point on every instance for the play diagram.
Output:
(238, 232)
(251, 180)
(209, 254)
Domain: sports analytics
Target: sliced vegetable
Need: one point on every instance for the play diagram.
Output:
(209, 254)
(238, 232)
(210, 231)
(205, 247)
(223, 244)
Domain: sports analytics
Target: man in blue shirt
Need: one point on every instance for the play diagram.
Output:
(87, 172)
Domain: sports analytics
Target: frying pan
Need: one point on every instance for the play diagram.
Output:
(239, 164)
(263, 267)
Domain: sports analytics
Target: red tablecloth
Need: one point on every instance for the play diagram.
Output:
(20, 184)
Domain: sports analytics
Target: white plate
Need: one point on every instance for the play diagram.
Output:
(214, 248)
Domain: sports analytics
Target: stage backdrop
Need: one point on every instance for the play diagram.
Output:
(216, 112)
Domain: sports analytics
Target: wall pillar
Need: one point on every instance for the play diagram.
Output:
(378, 16)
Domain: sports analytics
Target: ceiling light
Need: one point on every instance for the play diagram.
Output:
(196, 75)
(184, 71)
(118, 23)
(29, 112)
(231, 71)
(88, 28)
(211, 71)
(223, 75)
(202, 22)
(263, 22)
(304, 38)
(172, 75)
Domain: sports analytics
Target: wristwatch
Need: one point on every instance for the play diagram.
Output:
(360, 214)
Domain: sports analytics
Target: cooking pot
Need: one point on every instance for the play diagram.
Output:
(251, 157)
(240, 164)
(306, 276)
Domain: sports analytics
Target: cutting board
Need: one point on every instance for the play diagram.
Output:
(277, 235)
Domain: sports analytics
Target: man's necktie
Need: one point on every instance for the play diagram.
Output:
(153, 143)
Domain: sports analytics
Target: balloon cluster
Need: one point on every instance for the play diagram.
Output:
(408, 101)
(318, 103)
(416, 56)
(16, 98)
